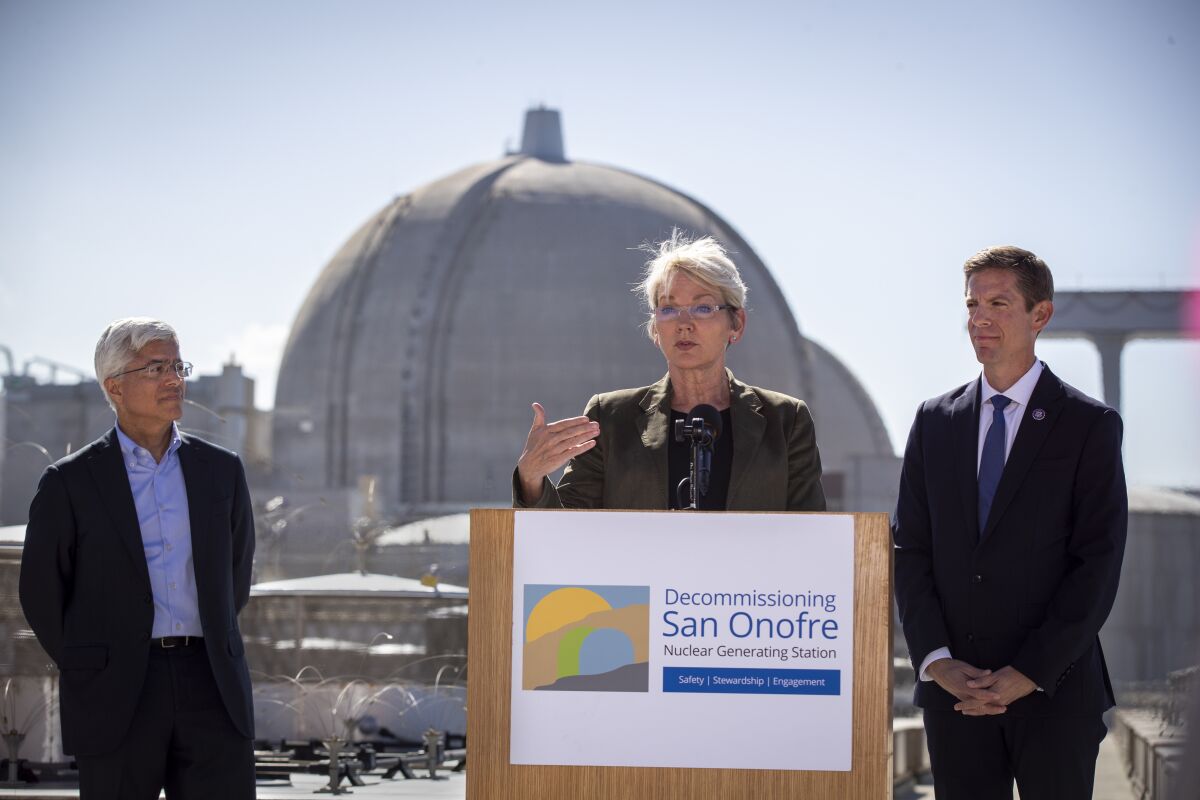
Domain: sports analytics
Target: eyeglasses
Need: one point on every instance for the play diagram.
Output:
(701, 311)
(156, 369)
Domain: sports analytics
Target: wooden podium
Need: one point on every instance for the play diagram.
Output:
(490, 776)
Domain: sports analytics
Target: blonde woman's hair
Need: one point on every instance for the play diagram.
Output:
(703, 260)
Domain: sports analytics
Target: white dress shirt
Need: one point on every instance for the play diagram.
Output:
(1019, 393)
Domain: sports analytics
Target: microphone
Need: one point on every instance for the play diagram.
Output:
(701, 426)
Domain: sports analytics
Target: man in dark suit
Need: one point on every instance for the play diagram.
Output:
(137, 561)
(1009, 532)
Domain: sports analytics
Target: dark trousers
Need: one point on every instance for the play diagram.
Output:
(181, 739)
(977, 758)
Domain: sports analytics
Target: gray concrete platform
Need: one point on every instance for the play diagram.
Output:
(1111, 784)
(1111, 781)
(454, 787)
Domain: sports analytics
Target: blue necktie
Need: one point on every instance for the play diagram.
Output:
(991, 464)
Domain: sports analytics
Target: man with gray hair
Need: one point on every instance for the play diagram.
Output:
(136, 563)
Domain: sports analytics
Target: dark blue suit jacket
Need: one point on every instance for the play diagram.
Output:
(85, 587)
(1034, 589)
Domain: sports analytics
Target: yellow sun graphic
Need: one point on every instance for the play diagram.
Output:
(562, 607)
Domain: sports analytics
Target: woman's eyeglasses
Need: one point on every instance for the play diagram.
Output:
(700, 311)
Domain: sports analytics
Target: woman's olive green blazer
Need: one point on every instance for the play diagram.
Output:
(776, 466)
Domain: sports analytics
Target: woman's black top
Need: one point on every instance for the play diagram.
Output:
(679, 462)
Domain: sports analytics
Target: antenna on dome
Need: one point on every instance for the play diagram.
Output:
(542, 137)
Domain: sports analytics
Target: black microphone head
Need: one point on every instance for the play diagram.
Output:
(711, 417)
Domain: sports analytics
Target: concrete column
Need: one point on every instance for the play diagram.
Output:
(1110, 346)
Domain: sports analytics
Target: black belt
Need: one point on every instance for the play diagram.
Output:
(167, 642)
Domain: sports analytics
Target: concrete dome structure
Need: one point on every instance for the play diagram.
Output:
(418, 351)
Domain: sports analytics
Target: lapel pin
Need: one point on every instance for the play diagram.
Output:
(1039, 414)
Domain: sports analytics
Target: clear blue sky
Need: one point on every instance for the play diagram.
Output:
(202, 161)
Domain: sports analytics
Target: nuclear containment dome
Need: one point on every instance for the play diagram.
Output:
(418, 351)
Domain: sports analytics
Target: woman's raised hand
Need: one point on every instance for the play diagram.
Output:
(550, 446)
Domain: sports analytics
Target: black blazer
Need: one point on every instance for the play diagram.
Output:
(1034, 590)
(776, 465)
(85, 588)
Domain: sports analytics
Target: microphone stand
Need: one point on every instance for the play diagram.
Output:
(700, 469)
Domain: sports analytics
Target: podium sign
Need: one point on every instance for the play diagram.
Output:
(569, 669)
(645, 639)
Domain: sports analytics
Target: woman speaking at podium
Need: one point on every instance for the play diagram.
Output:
(624, 454)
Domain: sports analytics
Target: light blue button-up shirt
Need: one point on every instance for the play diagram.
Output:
(160, 496)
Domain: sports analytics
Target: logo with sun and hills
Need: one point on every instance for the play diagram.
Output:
(586, 638)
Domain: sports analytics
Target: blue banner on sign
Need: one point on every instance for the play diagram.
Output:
(731, 680)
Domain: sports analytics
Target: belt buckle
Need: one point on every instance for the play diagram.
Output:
(163, 643)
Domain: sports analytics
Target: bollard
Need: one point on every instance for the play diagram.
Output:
(13, 739)
(434, 748)
(334, 744)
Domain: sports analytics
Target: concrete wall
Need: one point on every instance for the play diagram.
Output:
(42, 422)
(3, 446)
(1154, 626)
